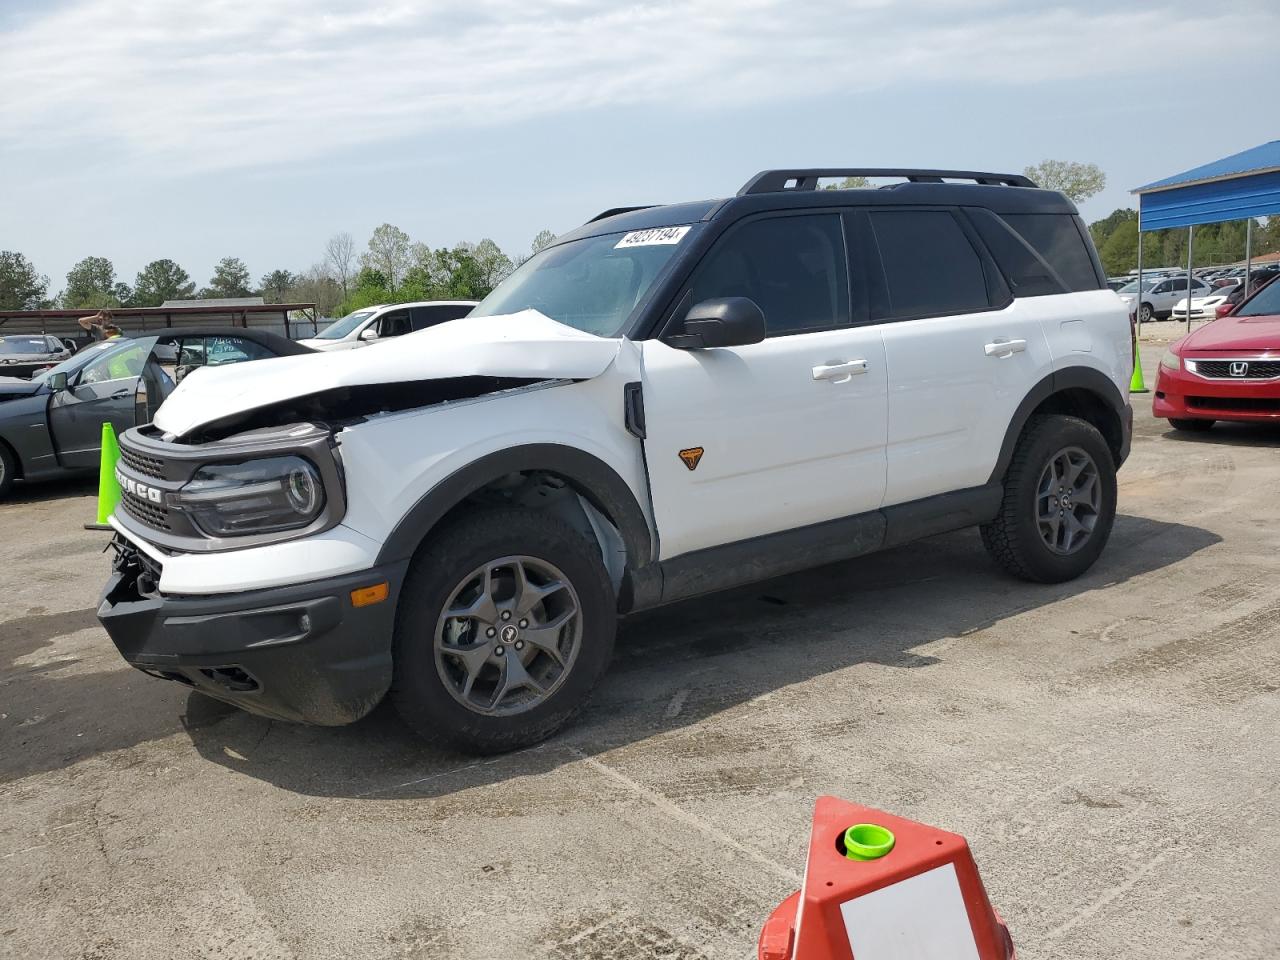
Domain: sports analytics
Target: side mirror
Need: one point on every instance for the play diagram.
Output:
(369, 333)
(724, 322)
(58, 381)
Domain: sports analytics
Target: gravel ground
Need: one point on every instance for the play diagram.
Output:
(1108, 747)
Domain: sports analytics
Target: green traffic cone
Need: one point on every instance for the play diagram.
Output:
(1136, 383)
(108, 486)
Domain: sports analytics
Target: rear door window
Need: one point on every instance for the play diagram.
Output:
(1057, 238)
(930, 267)
(794, 267)
(423, 317)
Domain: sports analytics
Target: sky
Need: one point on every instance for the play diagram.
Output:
(141, 129)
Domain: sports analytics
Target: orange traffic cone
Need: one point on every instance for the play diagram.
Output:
(878, 887)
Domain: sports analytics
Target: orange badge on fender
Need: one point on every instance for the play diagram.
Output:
(691, 457)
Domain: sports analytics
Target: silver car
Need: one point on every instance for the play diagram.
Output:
(1160, 295)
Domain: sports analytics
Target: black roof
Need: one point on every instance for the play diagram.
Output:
(999, 192)
(280, 346)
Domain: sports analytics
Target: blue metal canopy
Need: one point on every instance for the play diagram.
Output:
(1245, 184)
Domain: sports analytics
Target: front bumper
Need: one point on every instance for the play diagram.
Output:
(302, 652)
(1182, 395)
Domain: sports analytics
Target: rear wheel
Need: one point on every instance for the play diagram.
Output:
(1193, 426)
(8, 469)
(506, 623)
(1059, 502)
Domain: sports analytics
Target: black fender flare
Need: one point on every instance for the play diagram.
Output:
(1068, 378)
(597, 481)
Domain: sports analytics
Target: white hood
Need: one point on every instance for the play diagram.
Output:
(527, 345)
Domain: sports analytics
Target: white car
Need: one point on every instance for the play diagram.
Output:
(381, 322)
(1160, 295)
(1203, 308)
(665, 402)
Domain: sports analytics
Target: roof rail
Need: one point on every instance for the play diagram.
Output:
(614, 211)
(774, 181)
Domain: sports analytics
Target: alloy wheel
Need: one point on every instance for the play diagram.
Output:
(1068, 499)
(508, 636)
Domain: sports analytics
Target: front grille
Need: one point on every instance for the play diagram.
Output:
(1254, 369)
(1245, 404)
(144, 511)
(141, 463)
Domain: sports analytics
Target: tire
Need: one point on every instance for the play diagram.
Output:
(8, 469)
(1145, 313)
(450, 700)
(1017, 539)
(1192, 426)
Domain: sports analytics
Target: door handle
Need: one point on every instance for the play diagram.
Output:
(840, 372)
(1004, 348)
(120, 394)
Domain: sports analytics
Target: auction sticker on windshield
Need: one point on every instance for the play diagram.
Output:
(652, 238)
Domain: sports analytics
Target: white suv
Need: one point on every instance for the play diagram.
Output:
(362, 327)
(667, 401)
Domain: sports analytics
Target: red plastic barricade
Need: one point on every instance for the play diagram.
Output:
(878, 887)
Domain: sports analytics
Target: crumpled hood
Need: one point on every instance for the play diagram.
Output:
(526, 345)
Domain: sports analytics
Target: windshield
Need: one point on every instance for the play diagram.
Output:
(1265, 303)
(96, 351)
(590, 284)
(340, 328)
(13, 345)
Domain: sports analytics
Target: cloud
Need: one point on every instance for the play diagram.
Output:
(161, 86)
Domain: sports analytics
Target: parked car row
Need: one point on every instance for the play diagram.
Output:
(51, 424)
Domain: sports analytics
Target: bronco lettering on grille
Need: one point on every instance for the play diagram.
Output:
(142, 490)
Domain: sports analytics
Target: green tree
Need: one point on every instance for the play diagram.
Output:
(161, 280)
(317, 286)
(276, 286)
(495, 266)
(1119, 253)
(91, 283)
(388, 253)
(21, 287)
(1100, 230)
(1078, 181)
(849, 183)
(543, 240)
(230, 279)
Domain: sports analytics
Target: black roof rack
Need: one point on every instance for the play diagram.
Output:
(614, 211)
(774, 181)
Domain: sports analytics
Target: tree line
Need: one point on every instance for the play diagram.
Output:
(1116, 237)
(391, 269)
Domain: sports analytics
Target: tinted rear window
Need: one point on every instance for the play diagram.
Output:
(1026, 270)
(930, 267)
(1056, 237)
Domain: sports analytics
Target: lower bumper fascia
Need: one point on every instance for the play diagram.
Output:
(302, 652)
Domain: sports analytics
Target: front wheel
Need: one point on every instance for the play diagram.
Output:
(1145, 313)
(506, 623)
(1059, 502)
(1192, 426)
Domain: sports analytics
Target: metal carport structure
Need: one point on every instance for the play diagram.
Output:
(1239, 187)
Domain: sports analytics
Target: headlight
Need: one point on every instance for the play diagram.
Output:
(1171, 361)
(260, 496)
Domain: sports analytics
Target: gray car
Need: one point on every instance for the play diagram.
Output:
(24, 354)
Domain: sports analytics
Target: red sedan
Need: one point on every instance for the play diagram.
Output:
(1226, 370)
